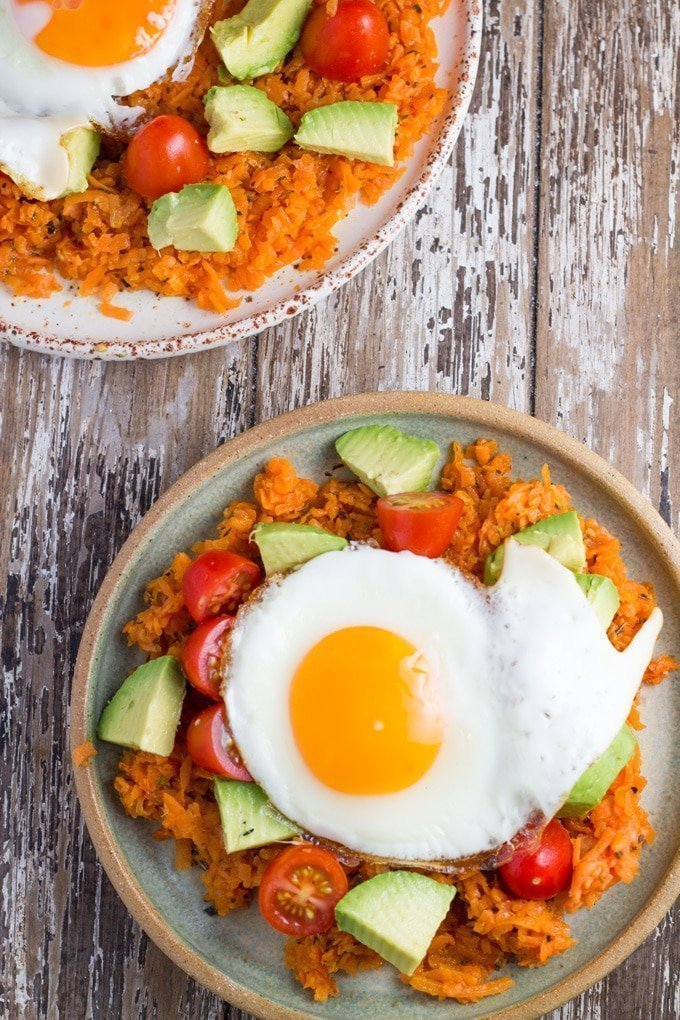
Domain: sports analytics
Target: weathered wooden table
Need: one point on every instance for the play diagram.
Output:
(543, 273)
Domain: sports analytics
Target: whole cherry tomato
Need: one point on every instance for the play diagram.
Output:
(346, 45)
(216, 582)
(164, 155)
(422, 522)
(202, 652)
(299, 890)
(211, 744)
(544, 869)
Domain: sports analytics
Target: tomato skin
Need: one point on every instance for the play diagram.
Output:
(216, 582)
(201, 654)
(164, 155)
(421, 522)
(302, 878)
(543, 870)
(347, 45)
(211, 745)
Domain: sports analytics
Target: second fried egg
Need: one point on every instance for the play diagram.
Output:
(75, 56)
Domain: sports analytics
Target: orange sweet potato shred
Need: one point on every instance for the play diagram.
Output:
(487, 926)
(287, 202)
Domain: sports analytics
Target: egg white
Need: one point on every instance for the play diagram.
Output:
(36, 84)
(531, 689)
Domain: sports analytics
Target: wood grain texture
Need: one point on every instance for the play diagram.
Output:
(608, 303)
(543, 273)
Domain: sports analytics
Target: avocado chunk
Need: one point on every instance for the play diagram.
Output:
(243, 119)
(200, 217)
(82, 148)
(560, 536)
(387, 460)
(57, 161)
(254, 41)
(589, 790)
(247, 817)
(397, 914)
(356, 130)
(144, 711)
(283, 546)
(602, 594)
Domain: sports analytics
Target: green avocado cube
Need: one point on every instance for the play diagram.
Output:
(387, 460)
(559, 535)
(284, 546)
(357, 130)
(397, 914)
(247, 817)
(200, 217)
(80, 145)
(243, 119)
(255, 41)
(82, 148)
(144, 711)
(589, 790)
(602, 594)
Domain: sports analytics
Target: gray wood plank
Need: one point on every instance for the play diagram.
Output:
(607, 317)
(87, 448)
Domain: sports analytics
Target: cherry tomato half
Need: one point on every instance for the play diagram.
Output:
(201, 655)
(542, 870)
(211, 744)
(216, 583)
(422, 522)
(164, 155)
(348, 44)
(299, 890)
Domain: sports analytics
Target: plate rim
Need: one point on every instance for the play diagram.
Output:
(327, 282)
(489, 415)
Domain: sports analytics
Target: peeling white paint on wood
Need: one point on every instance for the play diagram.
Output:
(542, 273)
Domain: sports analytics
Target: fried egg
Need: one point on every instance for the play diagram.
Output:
(390, 704)
(73, 57)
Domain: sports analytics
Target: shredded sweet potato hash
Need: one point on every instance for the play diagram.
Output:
(487, 927)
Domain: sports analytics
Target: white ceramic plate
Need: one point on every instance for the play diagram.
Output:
(68, 324)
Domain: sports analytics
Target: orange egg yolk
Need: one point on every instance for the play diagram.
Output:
(97, 33)
(365, 711)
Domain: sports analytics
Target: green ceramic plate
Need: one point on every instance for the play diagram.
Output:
(240, 957)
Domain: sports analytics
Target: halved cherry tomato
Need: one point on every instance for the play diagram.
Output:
(201, 655)
(216, 583)
(164, 155)
(348, 44)
(422, 522)
(542, 870)
(299, 890)
(211, 744)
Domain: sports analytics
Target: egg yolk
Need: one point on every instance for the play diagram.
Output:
(365, 711)
(94, 33)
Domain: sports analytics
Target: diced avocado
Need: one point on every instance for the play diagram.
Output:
(387, 460)
(602, 594)
(254, 41)
(559, 535)
(82, 148)
(356, 130)
(55, 164)
(144, 711)
(243, 119)
(397, 914)
(200, 217)
(589, 790)
(283, 546)
(247, 817)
